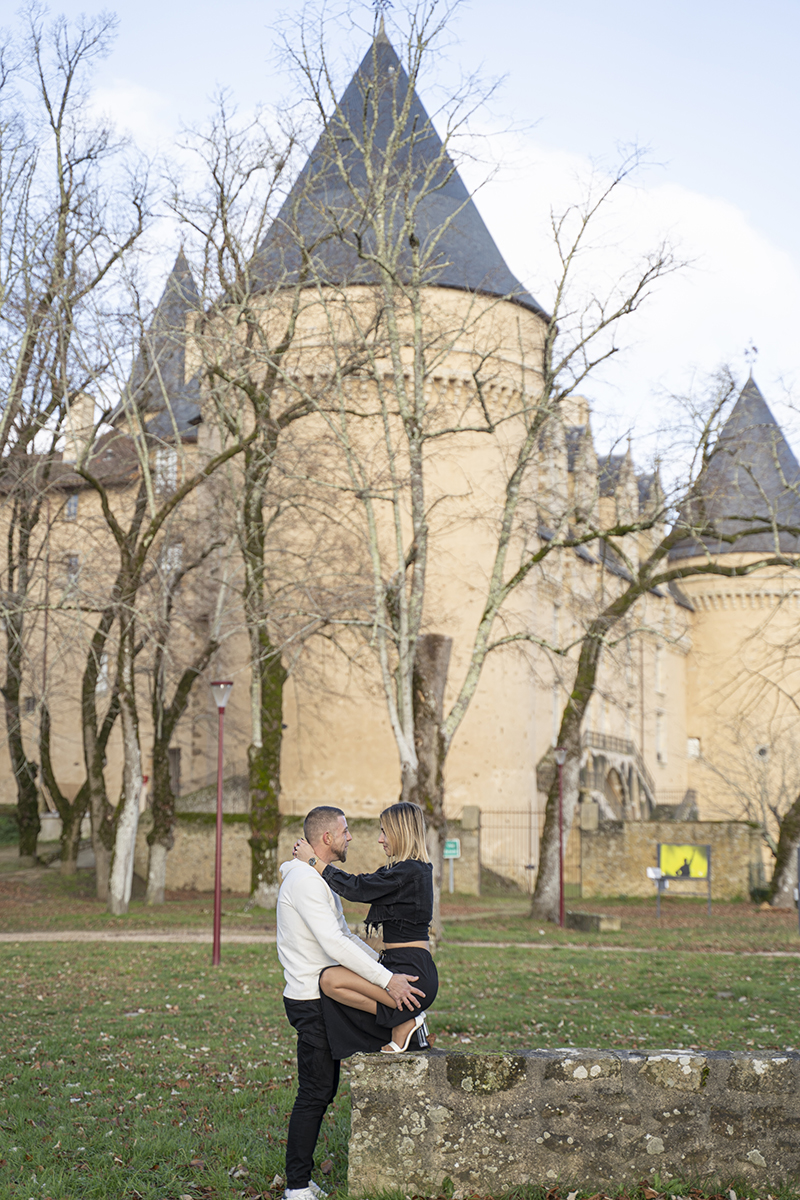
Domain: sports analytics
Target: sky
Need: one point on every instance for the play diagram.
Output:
(710, 87)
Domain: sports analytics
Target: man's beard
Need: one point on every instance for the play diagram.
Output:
(343, 854)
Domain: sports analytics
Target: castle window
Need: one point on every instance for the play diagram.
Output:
(693, 747)
(659, 669)
(661, 737)
(175, 770)
(30, 704)
(166, 469)
(172, 557)
(73, 564)
(71, 508)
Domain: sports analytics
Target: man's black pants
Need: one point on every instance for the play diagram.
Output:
(317, 1083)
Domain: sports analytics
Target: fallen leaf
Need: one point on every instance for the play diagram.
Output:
(277, 1182)
(327, 1167)
(572, 1196)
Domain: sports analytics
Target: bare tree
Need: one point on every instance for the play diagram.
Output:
(255, 291)
(62, 238)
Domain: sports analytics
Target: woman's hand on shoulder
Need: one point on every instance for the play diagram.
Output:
(302, 851)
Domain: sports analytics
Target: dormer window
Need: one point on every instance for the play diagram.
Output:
(71, 508)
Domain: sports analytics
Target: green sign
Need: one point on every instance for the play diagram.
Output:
(452, 848)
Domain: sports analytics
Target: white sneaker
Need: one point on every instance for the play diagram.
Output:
(300, 1194)
(317, 1190)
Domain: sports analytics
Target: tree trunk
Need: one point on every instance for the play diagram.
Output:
(157, 873)
(784, 876)
(545, 902)
(160, 838)
(94, 746)
(71, 838)
(120, 881)
(25, 771)
(264, 762)
(431, 663)
(546, 897)
(70, 812)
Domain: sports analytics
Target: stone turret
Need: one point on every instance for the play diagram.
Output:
(158, 384)
(753, 477)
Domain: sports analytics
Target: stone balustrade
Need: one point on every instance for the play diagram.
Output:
(488, 1122)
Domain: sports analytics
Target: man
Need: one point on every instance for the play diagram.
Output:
(312, 935)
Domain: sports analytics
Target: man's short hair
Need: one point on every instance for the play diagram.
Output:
(321, 820)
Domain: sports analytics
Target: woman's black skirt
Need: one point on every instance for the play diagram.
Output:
(350, 1030)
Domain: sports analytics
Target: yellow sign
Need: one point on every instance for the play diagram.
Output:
(683, 862)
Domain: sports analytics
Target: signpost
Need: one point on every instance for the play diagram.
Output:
(678, 862)
(452, 851)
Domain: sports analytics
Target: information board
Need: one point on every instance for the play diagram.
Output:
(684, 862)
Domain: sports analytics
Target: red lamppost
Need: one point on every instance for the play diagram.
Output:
(221, 690)
(560, 756)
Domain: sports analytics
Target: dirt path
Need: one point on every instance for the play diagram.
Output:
(202, 938)
(190, 936)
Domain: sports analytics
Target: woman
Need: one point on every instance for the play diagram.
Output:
(359, 1015)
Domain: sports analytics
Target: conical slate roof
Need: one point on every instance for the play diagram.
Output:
(328, 211)
(160, 365)
(753, 476)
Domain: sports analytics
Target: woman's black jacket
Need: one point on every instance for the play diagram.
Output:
(400, 896)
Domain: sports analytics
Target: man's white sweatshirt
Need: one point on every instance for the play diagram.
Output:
(313, 934)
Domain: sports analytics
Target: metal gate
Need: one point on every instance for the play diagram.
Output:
(510, 848)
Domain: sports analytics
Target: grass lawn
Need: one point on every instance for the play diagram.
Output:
(42, 900)
(141, 1071)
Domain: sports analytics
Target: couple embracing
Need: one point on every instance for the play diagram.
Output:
(340, 995)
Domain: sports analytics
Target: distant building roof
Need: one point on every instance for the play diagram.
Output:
(326, 209)
(159, 371)
(752, 477)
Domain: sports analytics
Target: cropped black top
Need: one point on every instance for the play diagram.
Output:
(400, 897)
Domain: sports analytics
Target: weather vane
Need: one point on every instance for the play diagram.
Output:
(751, 354)
(381, 6)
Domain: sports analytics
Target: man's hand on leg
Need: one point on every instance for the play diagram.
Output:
(404, 995)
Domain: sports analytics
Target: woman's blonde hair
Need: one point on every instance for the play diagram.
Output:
(404, 827)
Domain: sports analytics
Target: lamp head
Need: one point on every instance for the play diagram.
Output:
(221, 690)
(560, 755)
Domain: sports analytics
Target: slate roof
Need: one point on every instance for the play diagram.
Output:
(161, 362)
(609, 468)
(113, 461)
(327, 212)
(753, 475)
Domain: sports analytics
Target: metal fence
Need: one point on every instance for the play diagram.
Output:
(510, 848)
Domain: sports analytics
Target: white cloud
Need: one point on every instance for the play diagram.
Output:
(740, 286)
(148, 117)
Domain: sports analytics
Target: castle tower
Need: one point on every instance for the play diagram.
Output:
(743, 731)
(331, 216)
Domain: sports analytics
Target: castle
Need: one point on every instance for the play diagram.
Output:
(694, 712)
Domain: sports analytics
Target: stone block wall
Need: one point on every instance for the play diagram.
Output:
(488, 1122)
(615, 856)
(190, 862)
